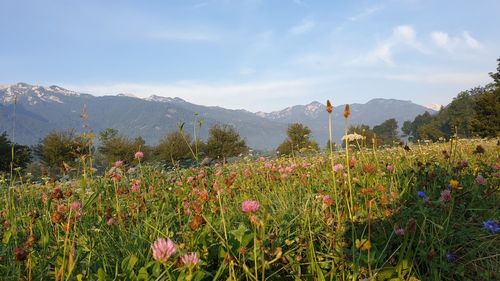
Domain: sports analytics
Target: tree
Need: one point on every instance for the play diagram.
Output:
(61, 148)
(176, 145)
(114, 146)
(22, 154)
(387, 132)
(298, 140)
(496, 76)
(486, 119)
(223, 142)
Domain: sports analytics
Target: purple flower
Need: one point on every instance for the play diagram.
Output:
(76, 206)
(421, 195)
(451, 257)
(446, 195)
(390, 168)
(163, 249)
(138, 155)
(399, 231)
(491, 225)
(190, 259)
(250, 206)
(481, 180)
(338, 167)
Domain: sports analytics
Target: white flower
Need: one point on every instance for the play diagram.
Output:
(352, 137)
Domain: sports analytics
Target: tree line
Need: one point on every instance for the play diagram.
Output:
(474, 112)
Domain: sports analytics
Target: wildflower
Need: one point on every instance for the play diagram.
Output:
(353, 162)
(135, 187)
(338, 167)
(20, 254)
(61, 208)
(327, 200)
(250, 206)
(246, 173)
(268, 165)
(352, 137)
(421, 195)
(190, 259)
(446, 195)
(347, 111)
(451, 257)
(329, 107)
(491, 225)
(110, 221)
(45, 198)
(138, 155)
(390, 168)
(76, 206)
(454, 184)
(363, 245)
(57, 217)
(57, 193)
(399, 231)
(118, 164)
(163, 249)
(481, 180)
(368, 168)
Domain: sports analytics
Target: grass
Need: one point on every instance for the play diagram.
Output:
(365, 222)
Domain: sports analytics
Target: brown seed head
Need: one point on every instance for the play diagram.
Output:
(57, 217)
(347, 111)
(20, 254)
(329, 107)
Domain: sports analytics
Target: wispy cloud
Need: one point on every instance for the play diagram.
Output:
(365, 13)
(434, 77)
(402, 36)
(304, 26)
(444, 40)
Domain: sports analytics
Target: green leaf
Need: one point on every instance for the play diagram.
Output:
(91, 199)
(239, 233)
(131, 262)
(6, 237)
(143, 274)
(101, 275)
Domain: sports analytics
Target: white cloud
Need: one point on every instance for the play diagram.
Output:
(441, 39)
(402, 36)
(302, 27)
(470, 79)
(470, 41)
(365, 13)
(445, 41)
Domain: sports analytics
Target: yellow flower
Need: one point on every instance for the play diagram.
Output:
(363, 245)
(454, 184)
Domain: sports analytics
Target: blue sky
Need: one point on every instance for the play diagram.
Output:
(254, 54)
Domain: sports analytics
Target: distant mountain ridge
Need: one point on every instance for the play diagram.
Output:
(39, 110)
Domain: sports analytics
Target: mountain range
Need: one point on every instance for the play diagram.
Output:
(33, 111)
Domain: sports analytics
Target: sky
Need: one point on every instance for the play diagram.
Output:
(259, 55)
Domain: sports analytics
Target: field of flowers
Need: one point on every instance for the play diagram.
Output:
(427, 212)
